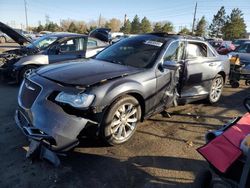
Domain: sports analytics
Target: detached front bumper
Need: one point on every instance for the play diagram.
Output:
(46, 121)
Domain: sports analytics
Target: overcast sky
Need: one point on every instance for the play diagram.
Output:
(179, 12)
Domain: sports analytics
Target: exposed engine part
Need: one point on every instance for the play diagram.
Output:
(12, 56)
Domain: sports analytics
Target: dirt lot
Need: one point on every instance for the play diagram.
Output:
(161, 154)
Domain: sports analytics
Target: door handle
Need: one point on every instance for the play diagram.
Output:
(211, 64)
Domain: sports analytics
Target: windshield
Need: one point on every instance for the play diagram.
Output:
(245, 48)
(139, 51)
(43, 42)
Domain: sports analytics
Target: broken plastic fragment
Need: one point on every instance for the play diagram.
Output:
(38, 151)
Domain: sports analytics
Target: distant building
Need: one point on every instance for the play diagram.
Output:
(248, 35)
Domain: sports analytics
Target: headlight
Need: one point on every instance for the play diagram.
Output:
(79, 100)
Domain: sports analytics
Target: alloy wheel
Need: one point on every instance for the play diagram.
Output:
(124, 121)
(216, 89)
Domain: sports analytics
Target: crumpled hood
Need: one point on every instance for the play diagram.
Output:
(85, 73)
(18, 38)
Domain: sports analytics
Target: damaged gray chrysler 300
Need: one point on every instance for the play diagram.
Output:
(121, 86)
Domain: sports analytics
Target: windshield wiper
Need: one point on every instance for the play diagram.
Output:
(110, 61)
(116, 62)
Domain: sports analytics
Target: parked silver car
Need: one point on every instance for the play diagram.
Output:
(51, 48)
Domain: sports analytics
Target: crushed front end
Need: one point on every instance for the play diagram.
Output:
(42, 119)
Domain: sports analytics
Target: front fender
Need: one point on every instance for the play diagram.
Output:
(109, 92)
(120, 89)
(39, 59)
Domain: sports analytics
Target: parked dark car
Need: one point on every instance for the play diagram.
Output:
(124, 84)
(103, 34)
(52, 48)
(243, 52)
(215, 43)
(225, 47)
(239, 42)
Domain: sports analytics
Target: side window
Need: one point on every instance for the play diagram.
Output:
(71, 45)
(174, 52)
(210, 53)
(195, 50)
(92, 43)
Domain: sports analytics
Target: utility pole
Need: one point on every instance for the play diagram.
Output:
(194, 18)
(99, 23)
(26, 17)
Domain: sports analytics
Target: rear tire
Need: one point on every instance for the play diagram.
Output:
(121, 120)
(216, 89)
(247, 82)
(235, 84)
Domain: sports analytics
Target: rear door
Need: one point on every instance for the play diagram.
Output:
(69, 49)
(201, 66)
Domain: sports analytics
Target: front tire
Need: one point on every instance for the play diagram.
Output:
(216, 89)
(26, 70)
(121, 120)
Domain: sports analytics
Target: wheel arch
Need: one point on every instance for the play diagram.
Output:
(21, 68)
(5, 39)
(137, 96)
(223, 74)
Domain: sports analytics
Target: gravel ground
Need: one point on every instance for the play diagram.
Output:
(162, 152)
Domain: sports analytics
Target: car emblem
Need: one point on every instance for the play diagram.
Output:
(28, 73)
(29, 87)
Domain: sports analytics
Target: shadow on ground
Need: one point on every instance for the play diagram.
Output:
(103, 171)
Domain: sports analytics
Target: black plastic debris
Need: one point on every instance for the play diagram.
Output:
(38, 151)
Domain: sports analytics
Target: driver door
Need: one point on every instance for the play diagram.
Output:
(167, 80)
(69, 49)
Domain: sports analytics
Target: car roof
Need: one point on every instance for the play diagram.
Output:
(66, 34)
(176, 36)
(243, 39)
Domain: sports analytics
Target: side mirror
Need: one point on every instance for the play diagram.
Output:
(171, 65)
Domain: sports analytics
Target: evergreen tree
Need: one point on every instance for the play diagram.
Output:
(145, 26)
(53, 27)
(126, 28)
(219, 20)
(157, 27)
(201, 27)
(235, 26)
(184, 31)
(167, 27)
(72, 28)
(135, 25)
(39, 28)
